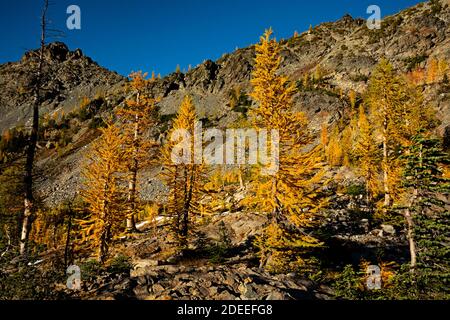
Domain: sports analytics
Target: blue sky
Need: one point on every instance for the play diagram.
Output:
(158, 34)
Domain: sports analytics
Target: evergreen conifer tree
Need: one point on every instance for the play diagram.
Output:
(427, 214)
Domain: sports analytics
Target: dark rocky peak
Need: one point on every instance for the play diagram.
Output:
(203, 75)
(347, 18)
(163, 87)
(348, 21)
(55, 52)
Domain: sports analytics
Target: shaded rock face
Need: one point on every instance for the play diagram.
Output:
(447, 137)
(56, 51)
(203, 76)
(345, 49)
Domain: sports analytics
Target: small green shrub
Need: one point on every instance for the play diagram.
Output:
(355, 190)
(120, 264)
(91, 269)
(359, 77)
(413, 62)
(348, 284)
(65, 139)
(84, 114)
(241, 109)
(219, 250)
(164, 118)
(436, 6)
(32, 283)
(96, 123)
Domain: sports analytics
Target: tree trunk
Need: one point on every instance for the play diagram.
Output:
(241, 181)
(26, 225)
(9, 241)
(66, 247)
(387, 196)
(367, 192)
(274, 217)
(31, 149)
(412, 244)
(131, 220)
(277, 209)
(103, 248)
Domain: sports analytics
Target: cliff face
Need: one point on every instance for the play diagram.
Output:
(345, 50)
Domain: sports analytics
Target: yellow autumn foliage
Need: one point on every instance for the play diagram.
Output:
(290, 197)
(184, 180)
(104, 191)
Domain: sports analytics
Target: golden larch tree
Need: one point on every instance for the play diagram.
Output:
(352, 99)
(324, 136)
(432, 70)
(415, 114)
(416, 76)
(366, 152)
(318, 74)
(346, 144)
(305, 81)
(442, 68)
(137, 116)
(183, 177)
(386, 97)
(334, 151)
(104, 190)
(291, 196)
(397, 111)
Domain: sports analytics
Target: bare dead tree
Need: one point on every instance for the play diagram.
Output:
(29, 205)
(8, 246)
(70, 213)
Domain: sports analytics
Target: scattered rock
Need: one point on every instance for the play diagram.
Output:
(157, 289)
(247, 292)
(225, 295)
(276, 295)
(388, 229)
